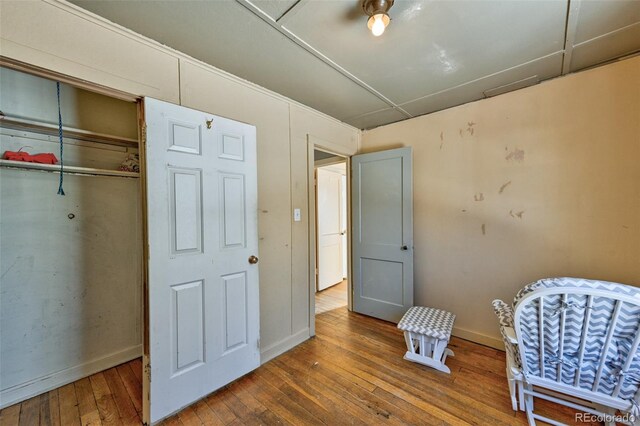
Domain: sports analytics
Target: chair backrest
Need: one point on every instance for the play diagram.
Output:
(582, 335)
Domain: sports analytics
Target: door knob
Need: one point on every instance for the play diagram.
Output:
(253, 260)
(404, 248)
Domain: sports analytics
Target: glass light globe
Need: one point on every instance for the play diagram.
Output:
(378, 25)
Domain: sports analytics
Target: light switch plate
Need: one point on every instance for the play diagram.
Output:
(297, 217)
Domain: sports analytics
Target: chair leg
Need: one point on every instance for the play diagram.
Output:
(520, 387)
(512, 392)
(528, 402)
(513, 385)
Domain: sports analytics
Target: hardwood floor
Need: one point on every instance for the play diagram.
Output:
(331, 298)
(351, 373)
(111, 397)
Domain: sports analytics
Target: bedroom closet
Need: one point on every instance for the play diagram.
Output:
(71, 295)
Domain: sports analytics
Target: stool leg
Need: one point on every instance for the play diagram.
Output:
(440, 346)
(409, 341)
(435, 359)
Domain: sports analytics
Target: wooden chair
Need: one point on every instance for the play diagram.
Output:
(574, 342)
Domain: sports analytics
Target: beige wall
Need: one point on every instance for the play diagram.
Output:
(63, 38)
(540, 182)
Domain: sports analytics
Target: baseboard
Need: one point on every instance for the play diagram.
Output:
(483, 339)
(23, 391)
(283, 345)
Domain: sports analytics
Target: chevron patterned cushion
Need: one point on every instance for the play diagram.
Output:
(577, 282)
(428, 321)
(504, 312)
(575, 315)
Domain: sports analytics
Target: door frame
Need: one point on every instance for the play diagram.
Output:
(313, 144)
(322, 164)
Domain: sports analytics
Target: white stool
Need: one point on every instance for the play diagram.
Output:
(427, 332)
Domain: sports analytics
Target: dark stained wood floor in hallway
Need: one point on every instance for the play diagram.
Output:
(351, 373)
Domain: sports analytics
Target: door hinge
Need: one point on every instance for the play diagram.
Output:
(258, 343)
(147, 371)
(317, 271)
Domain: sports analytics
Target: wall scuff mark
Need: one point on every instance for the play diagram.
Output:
(515, 155)
(516, 214)
(470, 125)
(479, 197)
(484, 229)
(502, 188)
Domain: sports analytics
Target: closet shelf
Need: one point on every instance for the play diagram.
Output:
(10, 122)
(76, 170)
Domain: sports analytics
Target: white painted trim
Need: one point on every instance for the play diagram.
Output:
(63, 78)
(278, 348)
(329, 147)
(111, 26)
(55, 380)
(492, 342)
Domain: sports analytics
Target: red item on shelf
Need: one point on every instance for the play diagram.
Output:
(46, 158)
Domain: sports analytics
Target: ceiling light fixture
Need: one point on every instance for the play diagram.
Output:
(378, 17)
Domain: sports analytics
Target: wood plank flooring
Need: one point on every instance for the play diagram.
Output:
(331, 298)
(351, 373)
(111, 397)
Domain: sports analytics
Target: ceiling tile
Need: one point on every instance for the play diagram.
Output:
(274, 8)
(435, 45)
(375, 119)
(602, 49)
(596, 18)
(435, 54)
(543, 68)
(228, 36)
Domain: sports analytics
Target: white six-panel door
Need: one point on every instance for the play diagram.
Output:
(330, 228)
(201, 185)
(382, 226)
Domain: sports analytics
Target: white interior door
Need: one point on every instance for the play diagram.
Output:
(343, 224)
(201, 186)
(330, 228)
(382, 226)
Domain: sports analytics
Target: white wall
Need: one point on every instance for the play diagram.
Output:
(61, 37)
(536, 183)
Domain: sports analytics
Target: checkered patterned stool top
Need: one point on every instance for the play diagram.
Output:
(428, 321)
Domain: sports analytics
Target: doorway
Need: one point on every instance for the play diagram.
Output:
(331, 231)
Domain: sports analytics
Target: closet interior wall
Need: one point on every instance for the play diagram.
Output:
(70, 266)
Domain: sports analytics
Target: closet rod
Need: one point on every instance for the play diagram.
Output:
(71, 170)
(70, 132)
